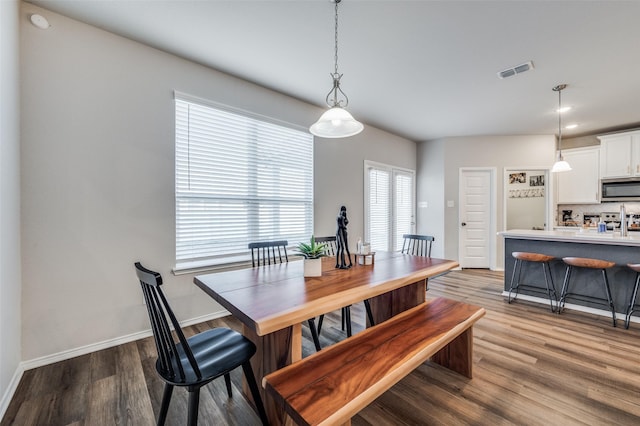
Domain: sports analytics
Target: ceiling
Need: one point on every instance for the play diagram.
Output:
(419, 69)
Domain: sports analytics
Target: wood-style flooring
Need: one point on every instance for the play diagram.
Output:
(531, 367)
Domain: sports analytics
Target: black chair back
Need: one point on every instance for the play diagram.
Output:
(161, 317)
(417, 245)
(268, 252)
(331, 248)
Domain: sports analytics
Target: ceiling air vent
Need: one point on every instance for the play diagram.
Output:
(518, 69)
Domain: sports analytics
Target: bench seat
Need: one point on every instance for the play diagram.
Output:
(332, 385)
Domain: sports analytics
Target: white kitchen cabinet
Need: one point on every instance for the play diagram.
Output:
(580, 185)
(620, 155)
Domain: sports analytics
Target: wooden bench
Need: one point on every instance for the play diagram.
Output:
(331, 386)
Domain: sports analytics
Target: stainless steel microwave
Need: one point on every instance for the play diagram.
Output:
(624, 189)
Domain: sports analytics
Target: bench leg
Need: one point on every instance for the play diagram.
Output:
(458, 354)
(273, 352)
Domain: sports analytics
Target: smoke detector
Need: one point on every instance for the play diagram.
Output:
(39, 21)
(518, 69)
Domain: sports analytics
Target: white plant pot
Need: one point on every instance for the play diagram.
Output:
(313, 267)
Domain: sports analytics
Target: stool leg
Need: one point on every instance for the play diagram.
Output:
(347, 319)
(514, 280)
(627, 320)
(608, 290)
(565, 288)
(550, 289)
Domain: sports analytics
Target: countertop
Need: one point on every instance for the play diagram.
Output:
(577, 235)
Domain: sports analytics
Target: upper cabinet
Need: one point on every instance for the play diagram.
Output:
(620, 155)
(581, 184)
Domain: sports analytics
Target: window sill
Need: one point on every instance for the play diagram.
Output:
(212, 265)
(218, 265)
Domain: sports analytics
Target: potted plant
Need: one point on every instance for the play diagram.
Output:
(312, 257)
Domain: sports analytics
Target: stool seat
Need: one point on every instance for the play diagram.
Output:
(584, 262)
(532, 257)
(634, 266)
(544, 259)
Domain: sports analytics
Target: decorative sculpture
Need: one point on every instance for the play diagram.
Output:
(342, 241)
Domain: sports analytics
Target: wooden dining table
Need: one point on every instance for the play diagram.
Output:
(272, 301)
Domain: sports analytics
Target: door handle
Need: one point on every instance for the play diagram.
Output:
(463, 224)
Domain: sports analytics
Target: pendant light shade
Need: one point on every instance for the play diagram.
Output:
(560, 165)
(336, 122)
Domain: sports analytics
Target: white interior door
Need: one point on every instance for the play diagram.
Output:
(475, 242)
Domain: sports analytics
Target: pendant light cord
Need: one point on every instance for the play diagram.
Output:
(560, 120)
(335, 56)
(336, 92)
(559, 88)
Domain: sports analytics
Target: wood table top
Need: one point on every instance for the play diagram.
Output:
(272, 297)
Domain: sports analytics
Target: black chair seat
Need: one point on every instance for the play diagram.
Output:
(217, 352)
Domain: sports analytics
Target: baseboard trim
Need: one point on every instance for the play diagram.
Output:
(11, 389)
(581, 308)
(94, 347)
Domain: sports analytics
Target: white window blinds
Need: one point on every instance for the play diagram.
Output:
(238, 180)
(403, 205)
(379, 213)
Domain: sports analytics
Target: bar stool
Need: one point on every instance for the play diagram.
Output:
(517, 270)
(581, 262)
(632, 303)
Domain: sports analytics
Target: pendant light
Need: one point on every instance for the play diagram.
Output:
(336, 122)
(560, 165)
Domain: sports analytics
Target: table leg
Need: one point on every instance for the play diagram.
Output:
(392, 303)
(273, 351)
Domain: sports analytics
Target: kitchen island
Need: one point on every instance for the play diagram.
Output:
(576, 243)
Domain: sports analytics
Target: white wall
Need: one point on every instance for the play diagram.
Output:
(430, 190)
(476, 151)
(98, 177)
(10, 344)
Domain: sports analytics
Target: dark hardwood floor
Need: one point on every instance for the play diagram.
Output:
(531, 367)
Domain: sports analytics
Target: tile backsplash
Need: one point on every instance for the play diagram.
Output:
(580, 209)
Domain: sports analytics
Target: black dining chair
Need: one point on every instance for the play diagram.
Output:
(196, 361)
(417, 245)
(271, 252)
(331, 250)
(331, 247)
(268, 252)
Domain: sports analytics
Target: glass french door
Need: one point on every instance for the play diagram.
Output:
(389, 205)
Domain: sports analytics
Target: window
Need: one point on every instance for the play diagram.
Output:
(389, 205)
(239, 178)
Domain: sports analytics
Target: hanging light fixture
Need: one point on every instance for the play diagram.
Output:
(560, 165)
(336, 122)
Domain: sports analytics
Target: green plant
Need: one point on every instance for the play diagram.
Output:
(313, 250)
